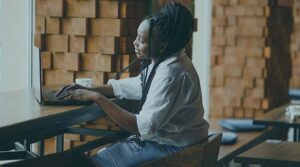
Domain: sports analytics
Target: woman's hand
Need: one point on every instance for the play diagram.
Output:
(65, 89)
(80, 95)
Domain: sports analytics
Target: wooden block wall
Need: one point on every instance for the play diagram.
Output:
(86, 38)
(250, 58)
(295, 47)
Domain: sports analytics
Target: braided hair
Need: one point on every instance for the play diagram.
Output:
(173, 24)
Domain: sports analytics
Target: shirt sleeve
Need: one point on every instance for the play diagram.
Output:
(160, 105)
(128, 88)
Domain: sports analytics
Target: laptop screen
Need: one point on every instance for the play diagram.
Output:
(36, 73)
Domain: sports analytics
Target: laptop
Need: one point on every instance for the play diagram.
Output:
(46, 97)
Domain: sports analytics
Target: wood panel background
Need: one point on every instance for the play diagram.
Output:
(250, 56)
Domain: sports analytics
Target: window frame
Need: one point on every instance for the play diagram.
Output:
(14, 77)
(31, 38)
(0, 50)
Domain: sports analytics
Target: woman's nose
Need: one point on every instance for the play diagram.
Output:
(134, 43)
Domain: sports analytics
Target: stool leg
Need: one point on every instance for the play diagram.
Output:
(298, 135)
(27, 145)
(295, 134)
(41, 147)
(60, 143)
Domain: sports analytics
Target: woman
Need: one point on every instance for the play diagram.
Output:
(170, 113)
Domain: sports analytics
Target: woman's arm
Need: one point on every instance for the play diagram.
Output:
(123, 118)
(106, 90)
(129, 88)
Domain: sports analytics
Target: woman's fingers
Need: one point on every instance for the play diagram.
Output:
(61, 90)
(65, 89)
(77, 94)
(66, 95)
(71, 95)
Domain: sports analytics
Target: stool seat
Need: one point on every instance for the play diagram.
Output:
(294, 94)
(238, 125)
(203, 154)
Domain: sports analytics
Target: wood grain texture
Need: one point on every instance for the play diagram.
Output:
(250, 64)
(272, 154)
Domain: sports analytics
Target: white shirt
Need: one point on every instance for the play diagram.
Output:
(173, 111)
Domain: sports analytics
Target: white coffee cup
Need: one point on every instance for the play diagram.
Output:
(293, 111)
(86, 82)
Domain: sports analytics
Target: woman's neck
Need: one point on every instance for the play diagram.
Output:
(153, 61)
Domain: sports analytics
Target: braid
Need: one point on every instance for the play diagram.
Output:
(174, 25)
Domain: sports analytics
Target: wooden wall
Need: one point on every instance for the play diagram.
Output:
(295, 47)
(250, 57)
(86, 38)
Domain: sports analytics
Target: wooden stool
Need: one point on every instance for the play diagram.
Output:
(204, 154)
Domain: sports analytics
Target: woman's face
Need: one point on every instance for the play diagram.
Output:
(141, 43)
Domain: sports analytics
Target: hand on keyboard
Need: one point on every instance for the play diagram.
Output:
(65, 89)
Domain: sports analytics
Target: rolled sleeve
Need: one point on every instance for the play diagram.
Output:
(128, 88)
(144, 127)
(116, 87)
